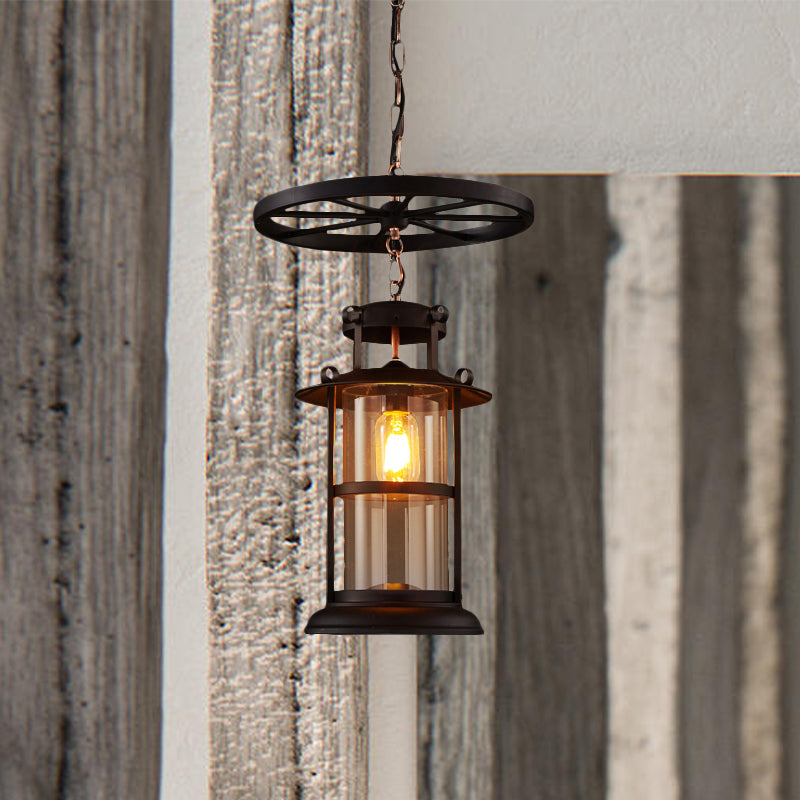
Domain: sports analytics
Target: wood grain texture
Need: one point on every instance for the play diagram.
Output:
(287, 711)
(761, 318)
(713, 452)
(521, 711)
(456, 713)
(84, 160)
(789, 568)
(641, 487)
(550, 684)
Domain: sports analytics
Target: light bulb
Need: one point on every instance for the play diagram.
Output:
(397, 447)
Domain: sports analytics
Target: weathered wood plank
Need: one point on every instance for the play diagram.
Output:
(765, 400)
(456, 713)
(251, 380)
(84, 159)
(712, 411)
(330, 75)
(641, 488)
(287, 713)
(500, 716)
(550, 624)
(789, 586)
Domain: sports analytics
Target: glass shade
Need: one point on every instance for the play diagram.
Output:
(395, 539)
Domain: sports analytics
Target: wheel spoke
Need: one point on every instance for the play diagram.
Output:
(319, 215)
(472, 217)
(290, 234)
(465, 236)
(352, 204)
(423, 212)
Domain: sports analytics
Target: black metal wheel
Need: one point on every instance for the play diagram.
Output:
(354, 215)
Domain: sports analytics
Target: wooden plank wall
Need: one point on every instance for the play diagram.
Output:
(287, 711)
(456, 674)
(637, 552)
(641, 486)
(788, 585)
(84, 188)
(504, 703)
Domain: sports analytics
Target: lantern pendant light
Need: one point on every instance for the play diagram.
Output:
(400, 445)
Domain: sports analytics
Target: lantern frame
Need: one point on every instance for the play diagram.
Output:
(398, 611)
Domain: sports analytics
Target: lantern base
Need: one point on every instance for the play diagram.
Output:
(375, 611)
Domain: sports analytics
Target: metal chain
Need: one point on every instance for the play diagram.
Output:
(394, 246)
(398, 64)
(397, 61)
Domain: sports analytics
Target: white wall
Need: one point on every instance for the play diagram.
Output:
(185, 759)
(492, 86)
(636, 86)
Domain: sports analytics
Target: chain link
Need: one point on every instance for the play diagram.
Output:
(394, 246)
(397, 61)
(397, 64)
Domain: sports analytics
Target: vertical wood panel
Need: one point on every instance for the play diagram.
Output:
(550, 624)
(521, 712)
(329, 70)
(789, 586)
(457, 674)
(287, 712)
(765, 401)
(713, 483)
(641, 488)
(84, 166)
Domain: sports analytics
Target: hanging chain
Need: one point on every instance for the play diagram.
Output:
(397, 60)
(399, 105)
(394, 246)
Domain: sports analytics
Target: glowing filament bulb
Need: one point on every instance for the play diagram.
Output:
(397, 441)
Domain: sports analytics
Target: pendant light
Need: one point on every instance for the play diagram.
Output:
(399, 490)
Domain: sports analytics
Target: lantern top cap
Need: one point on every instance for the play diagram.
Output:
(414, 322)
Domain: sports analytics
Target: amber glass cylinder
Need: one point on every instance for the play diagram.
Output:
(395, 433)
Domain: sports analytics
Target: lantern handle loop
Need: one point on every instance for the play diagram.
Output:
(328, 373)
(464, 376)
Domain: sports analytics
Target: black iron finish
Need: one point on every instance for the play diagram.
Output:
(404, 611)
(374, 322)
(417, 324)
(457, 494)
(351, 205)
(393, 372)
(393, 488)
(397, 64)
(330, 551)
(401, 612)
(367, 215)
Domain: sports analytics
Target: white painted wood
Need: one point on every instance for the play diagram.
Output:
(185, 748)
(642, 488)
(392, 717)
(329, 88)
(764, 380)
(287, 711)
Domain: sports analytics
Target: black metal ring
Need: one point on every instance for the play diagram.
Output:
(328, 373)
(355, 199)
(464, 376)
(392, 487)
